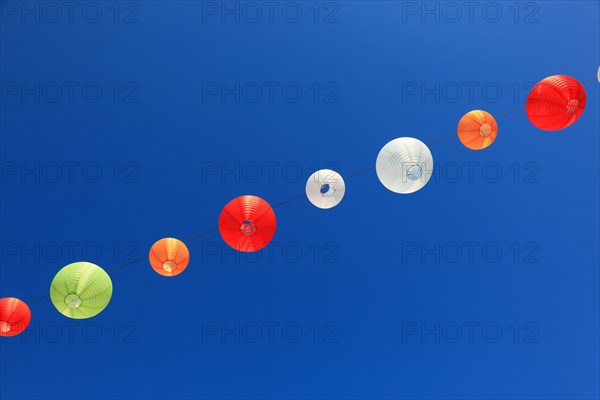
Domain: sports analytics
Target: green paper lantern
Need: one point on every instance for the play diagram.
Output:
(81, 290)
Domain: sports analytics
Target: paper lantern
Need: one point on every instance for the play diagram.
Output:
(404, 165)
(325, 188)
(247, 223)
(477, 129)
(555, 103)
(169, 257)
(81, 290)
(14, 316)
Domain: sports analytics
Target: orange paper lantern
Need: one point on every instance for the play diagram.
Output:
(169, 256)
(477, 129)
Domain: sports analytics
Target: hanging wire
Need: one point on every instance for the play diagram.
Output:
(510, 112)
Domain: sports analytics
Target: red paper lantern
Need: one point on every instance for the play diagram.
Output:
(14, 316)
(247, 223)
(555, 102)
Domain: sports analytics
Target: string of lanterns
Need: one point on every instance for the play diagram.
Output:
(247, 223)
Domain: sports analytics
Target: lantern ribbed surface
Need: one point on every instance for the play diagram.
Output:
(14, 316)
(325, 188)
(81, 290)
(247, 223)
(404, 165)
(555, 103)
(477, 129)
(169, 256)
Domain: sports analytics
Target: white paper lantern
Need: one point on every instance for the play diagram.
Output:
(404, 165)
(325, 188)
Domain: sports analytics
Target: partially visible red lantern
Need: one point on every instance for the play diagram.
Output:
(555, 102)
(14, 316)
(247, 223)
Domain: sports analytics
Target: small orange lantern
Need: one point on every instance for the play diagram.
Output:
(169, 256)
(477, 129)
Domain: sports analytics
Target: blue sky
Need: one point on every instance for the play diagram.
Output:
(126, 122)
